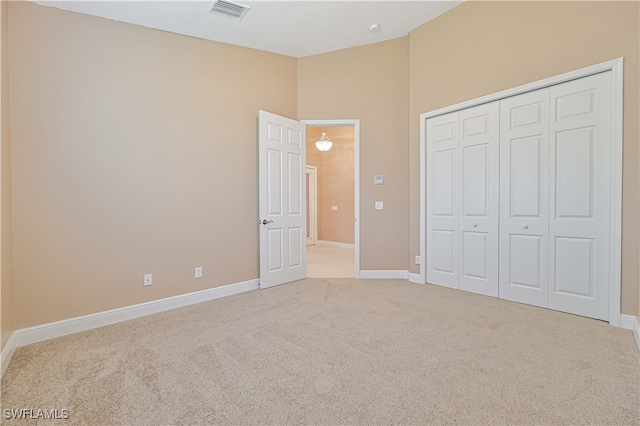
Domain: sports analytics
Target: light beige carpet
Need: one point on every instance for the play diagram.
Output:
(330, 262)
(327, 351)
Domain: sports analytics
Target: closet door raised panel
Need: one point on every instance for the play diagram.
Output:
(442, 200)
(579, 200)
(478, 221)
(524, 183)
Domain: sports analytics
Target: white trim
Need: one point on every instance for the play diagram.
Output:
(636, 332)
(627, 321)
(356, 172)
(423, 199)
(616, 68)
(312, 195)
(7, 353)
(39, 333)
(335, 244)
(356, 166)
(613, 65)
(615, 243)
(416, 278)
(385, 274)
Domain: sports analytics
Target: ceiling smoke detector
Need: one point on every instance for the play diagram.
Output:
(229, 9)
(374, 28)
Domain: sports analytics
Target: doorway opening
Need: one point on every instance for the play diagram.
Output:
(333, 200)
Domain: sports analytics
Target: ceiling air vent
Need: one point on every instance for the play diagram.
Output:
(229, 9)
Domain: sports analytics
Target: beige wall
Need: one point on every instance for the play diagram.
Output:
(369, 83)
(134, 152)
(480, 48)
(6, 249)
(335, 182)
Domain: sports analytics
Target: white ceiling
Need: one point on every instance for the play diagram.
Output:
(293, 28)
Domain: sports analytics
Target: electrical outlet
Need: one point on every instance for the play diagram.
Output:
(334, 207)
(417, 260)
(148, 279)
(379, 205)
(199, 272)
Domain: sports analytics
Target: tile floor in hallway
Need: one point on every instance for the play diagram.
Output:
(330, 262)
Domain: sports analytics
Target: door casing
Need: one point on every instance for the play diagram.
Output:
(312, 210)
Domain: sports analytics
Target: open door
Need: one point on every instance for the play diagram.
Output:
(282, 198)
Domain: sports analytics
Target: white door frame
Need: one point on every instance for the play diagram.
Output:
(615, 260)
(312, 195)
(356, 152)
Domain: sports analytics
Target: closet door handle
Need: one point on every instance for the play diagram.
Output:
(525, 226)
(475, 225)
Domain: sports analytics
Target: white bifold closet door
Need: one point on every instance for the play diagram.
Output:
(524, 198)
(443, 199)
(518, 197)
(462, 162)
(555, 182)
(579, 200)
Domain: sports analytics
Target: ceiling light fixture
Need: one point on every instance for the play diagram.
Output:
(324, 143)
(374, 28)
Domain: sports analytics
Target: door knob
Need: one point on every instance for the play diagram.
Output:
(475, 225)
(265, 221)
(525, 226)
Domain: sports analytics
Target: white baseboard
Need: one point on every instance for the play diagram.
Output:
(39, 333)
(415, 278)
(7, 353)
(335, 244)
(629, 322)
(384, 274)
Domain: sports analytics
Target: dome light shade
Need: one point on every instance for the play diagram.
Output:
(324, 143)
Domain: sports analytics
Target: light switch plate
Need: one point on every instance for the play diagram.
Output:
(379, 205)
(378, 179)
(334, 207)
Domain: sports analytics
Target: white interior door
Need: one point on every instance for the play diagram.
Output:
(524, 194)
(282, 195)
(478, 221)
(579, 206)
(442, 195)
